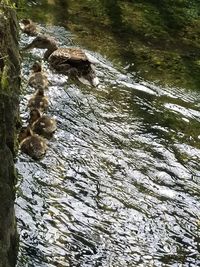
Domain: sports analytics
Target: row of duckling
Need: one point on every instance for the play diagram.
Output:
(65, 60)
(32, 138)
(68, 61)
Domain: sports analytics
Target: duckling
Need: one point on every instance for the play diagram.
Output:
(39, 100)
(65, 59)
(38, 77)
(28, 27)
(32, 144)
(42, 124)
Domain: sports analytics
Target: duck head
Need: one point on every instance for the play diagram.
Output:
(42, 42)
(34, 115)
(24, 133)
(37, 67)
(28, 26)
(26, 22)
(40, 91)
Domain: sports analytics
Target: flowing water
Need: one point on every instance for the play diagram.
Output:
(119, 185)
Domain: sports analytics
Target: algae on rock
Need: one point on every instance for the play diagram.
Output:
(9, 117)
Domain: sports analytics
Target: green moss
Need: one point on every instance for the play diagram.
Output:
(8, 3)
(9, 88)
(5, 84)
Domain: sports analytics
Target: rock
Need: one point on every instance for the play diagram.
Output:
(9, 119)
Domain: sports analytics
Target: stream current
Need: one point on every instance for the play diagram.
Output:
(119, 185)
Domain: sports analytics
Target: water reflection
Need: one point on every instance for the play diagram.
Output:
(119, 185)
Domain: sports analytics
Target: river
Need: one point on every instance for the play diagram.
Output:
(119, 185)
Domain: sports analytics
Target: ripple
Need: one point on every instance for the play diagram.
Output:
(119, 185)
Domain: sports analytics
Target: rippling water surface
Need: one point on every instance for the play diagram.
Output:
(119, 185)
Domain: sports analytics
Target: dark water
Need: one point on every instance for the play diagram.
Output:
(120, 183)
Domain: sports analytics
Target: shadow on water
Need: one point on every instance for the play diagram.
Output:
(119, 185)
(114, 12)
(56, 11)
(155, 35)
(174, 22)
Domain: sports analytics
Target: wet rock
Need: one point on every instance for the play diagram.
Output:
(9, 118)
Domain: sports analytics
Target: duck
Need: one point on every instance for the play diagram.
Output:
(66, 60)
(32, 144)
(39, 100)
(28, 26)
(42, 124)
(38, 77)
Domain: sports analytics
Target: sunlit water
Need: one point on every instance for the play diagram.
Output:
(119, 185)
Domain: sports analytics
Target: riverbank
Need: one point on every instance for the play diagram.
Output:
(9, 118)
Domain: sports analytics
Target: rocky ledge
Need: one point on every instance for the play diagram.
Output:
(9, 119)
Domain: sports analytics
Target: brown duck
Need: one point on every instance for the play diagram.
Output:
(38, 78)
(28, 27)
(32, 144)
(42, 124)
(39, 100)
(65, 60)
